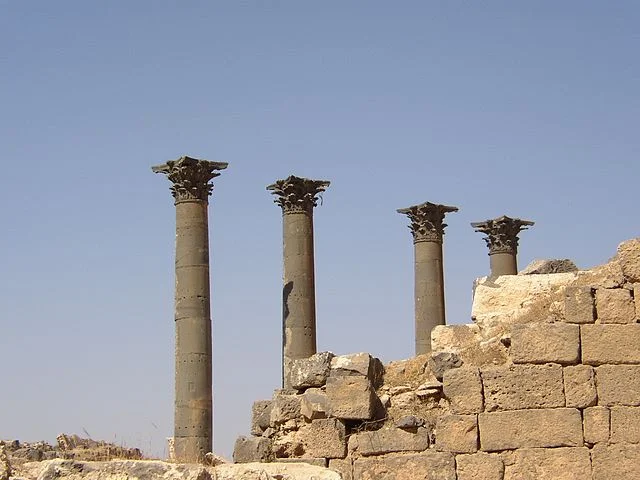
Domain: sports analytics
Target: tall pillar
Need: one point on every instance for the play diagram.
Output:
(297, 197)
(193, 421)
(427, 228)
(502, 240)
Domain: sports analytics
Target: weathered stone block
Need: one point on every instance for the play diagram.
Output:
(324, 437)
(457, 434)
(629, 258)
(310, 372)
(358, 364)
(463, 388)
(579, 305)
(543, 463)
(287, 443)
(317, 462)
(351, 397)
(625, 424)
(479, 466)
(596, 424)
(284, 408)
(252, 449)
(416, 466)
(260, 416)
(545, 343)
(618, 385)
(615, 462)
(636, 299)
(517, 387)
(314, 404)
(343, 466)
(388, 440)
(579, 386)
(547, 266)
(610, 344)
(441, 362)
(556, 427)
(615, 306)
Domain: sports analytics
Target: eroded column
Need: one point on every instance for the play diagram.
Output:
(193, 421)
(427, 227)
(297, 197)
(502, 240)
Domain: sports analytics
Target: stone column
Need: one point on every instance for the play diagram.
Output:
(502, 240)
(193, 421)
(427, 228)
(297, 197)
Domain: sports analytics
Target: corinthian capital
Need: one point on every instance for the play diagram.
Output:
(190, 177)
(502, 233)
(427, 221)
(295, 194)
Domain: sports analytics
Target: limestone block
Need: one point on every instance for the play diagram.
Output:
(310, 372)
(343, 466)
(358, 364)
(463, 388)
(317, 462)
(457, 434)
(625, 424)
(618, 385)
(616, 462)
(629, 258)
(579, 305)
(350, 397)
(545, 342)
(579, 386)
(553, 463)
(472, 345)
(314, 404)
(284, 407)
(388, 440)
(5, 467)
(325, 437)
(636, 298)
(596, 424)
(260, 416)
(546, 266)
(517, 387)
(266, 471)
(252, 449)
(556, 427)
(286, 444)
(615, 305)
(610, 344)
(440, 362)
(416, 466)
(479, 466)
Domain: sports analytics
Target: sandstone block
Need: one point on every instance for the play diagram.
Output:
(388, 440)
(555, 463)
(457, 434)
(616, 462)
(479, 466)
(343, 466)
(596, 424)
(463, 388)
(351, 397)
(579, 305)
(252, 449)
(579, 386)
(314, 404)
(260, 416)
(325, 437)
(416, 466)
(310, 372)
(284, 407)
(517, 387)
(615, 306)
(545, 343)
(629, 259)
(625, 424)
(358, 364)
(556, 427)
(610, 344)
(618, 385)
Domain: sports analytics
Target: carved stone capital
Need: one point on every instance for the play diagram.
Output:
(427, 221)
(190, 177)
(296, 195)
(502, 233)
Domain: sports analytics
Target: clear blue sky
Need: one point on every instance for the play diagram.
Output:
(528, 109)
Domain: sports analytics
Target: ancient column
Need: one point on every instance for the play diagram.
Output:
(297, 197)
(193, 429)
(502, 240)
(427, 228)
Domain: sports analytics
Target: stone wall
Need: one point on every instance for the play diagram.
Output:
(545, 384)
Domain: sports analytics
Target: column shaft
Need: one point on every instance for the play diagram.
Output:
(429, 293)
(504, 263)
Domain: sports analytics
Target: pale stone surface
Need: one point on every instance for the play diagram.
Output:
(545, 342)
(316, 461)
(284, 407)
(388, 440)
(616, 462)
(614, 344)
(358, 364)
(556, 427)
(463, 388)
(546, 266)
(636, 298)
(548, 464)
(310, 372)
(518, 387)
(470, 343)
(596, 424)
(252, 449)
(615, 306)
(479, 466)
(629, 258)
(314, 404)
(625, 424)
(5, 466)
(260, 416)
(457, 434)
(618, 385)
(416, 466)
(350, 397)
(579, 386)
(325, 437)
(579, 306)
(344, 466)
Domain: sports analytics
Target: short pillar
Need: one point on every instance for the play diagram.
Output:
(427, 227)
(193, 421)
(502, 240)
(297, 197)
